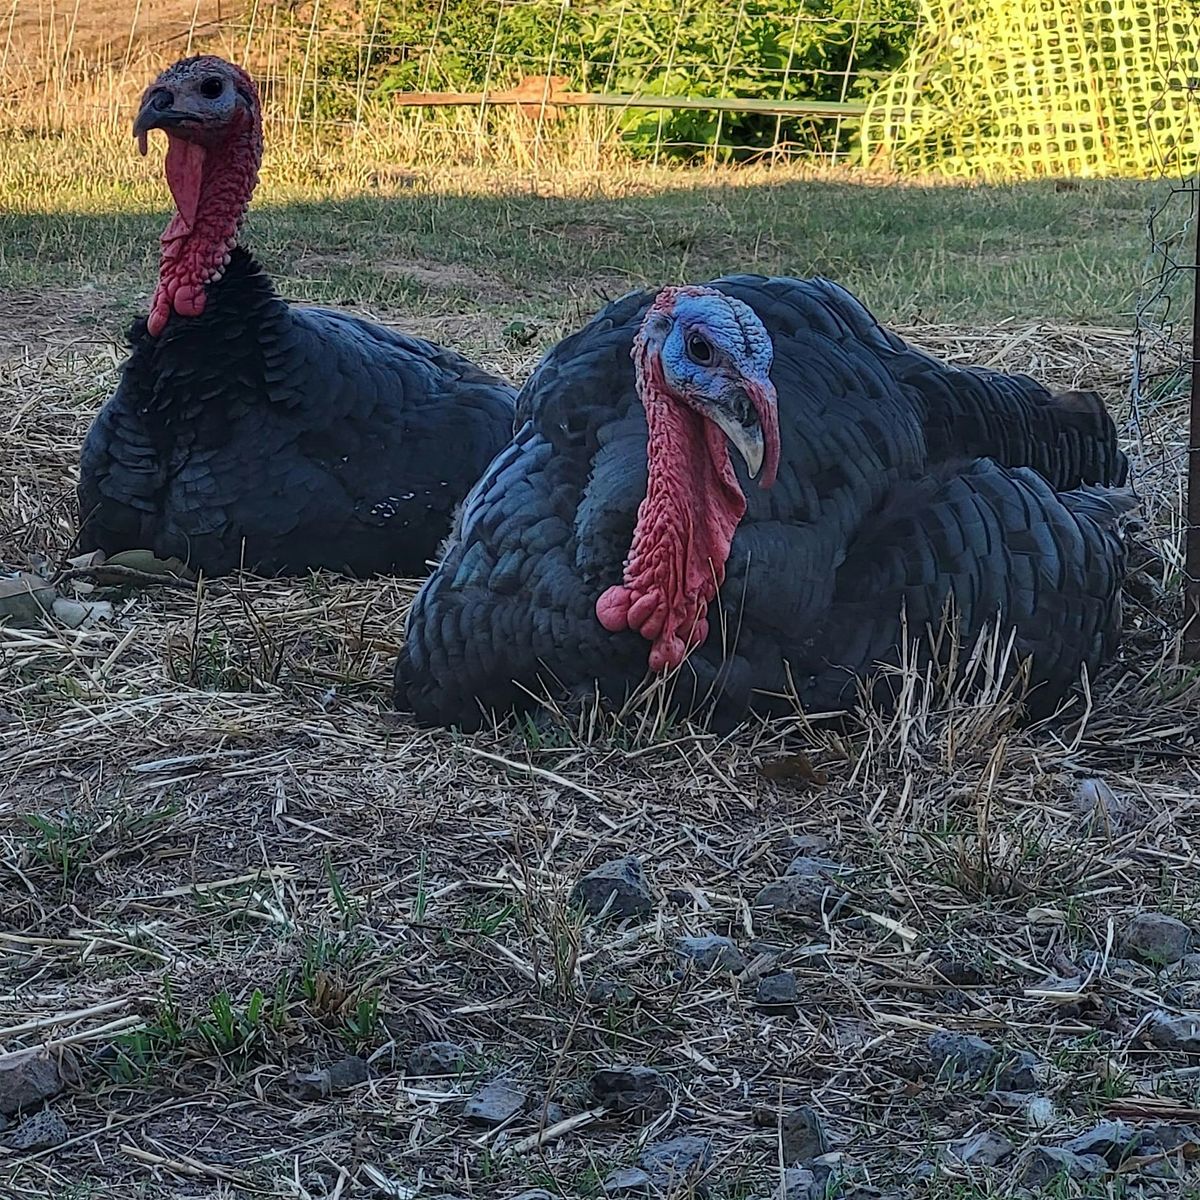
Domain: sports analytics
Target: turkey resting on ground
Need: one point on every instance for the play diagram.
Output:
(247, 432)
(888, 481)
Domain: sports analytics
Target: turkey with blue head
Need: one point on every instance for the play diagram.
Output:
(249, 432)
(871, 490)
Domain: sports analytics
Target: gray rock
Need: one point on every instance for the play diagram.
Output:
(803, 1135)
(806, 843)
(961, 1055)
(495, 1103)
(29, 1077)
(711, 953)
(1113, 1141)
(627, 1179)
(437, 1058)
(986, 1149)
(535, 1194)
(635, 1090)
(1019, 1073)
(812, 866)
(610, 991)
(1167, 1137)
(799, 1183)
(42, 1131)
(1186, 970)
(1169, 1031)
(1101, 810)
(1052, 1162)
(316, 1085)
(777, 991)
(624, 881)
(1156, 938)
(678, 1161)
(798, 895)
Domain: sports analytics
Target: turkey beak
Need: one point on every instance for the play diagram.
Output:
(747, 440)
(755, 433)
(158, 111)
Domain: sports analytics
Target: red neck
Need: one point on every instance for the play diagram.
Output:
(212, 186)
(684, 529)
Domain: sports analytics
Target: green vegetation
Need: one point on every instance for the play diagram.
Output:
(794, 50)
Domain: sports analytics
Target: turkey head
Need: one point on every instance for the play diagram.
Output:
(209, 110)
(703, 362)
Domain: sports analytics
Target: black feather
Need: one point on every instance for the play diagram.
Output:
(284, 438)
(905, 485)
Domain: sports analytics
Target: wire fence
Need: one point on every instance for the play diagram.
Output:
(1165, 377)
(952, 87)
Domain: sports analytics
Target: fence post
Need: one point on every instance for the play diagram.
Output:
(1191, 606)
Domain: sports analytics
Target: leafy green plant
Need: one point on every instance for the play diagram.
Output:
(793, 50)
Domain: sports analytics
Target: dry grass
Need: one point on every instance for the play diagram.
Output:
(223, 860)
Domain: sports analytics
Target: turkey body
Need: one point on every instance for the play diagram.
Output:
(903, 483)
(279, 439)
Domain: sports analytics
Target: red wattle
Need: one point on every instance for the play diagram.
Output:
(684, 530)
(212, 185)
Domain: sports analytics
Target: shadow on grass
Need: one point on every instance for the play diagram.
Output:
(1064, 251)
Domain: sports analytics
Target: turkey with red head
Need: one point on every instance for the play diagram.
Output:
(250, 432)
(616, 538)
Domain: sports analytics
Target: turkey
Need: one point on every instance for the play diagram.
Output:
(246, 432)
(615, 540)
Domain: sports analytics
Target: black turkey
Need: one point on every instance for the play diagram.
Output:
(892, 486)
(250, 433)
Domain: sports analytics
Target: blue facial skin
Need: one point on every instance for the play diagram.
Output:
(713, 350)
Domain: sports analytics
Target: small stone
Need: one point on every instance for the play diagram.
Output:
(535, 1194)
(640, 1090)
(960, 972)
(1040, 1112)
(1167, 1137)
(42, 1131)
(677, 1161)
(624, 881)
(711, 953)
(29, 1077)
(1101, 811)
(437, 1058)
(1019, 1073)
(986, 1149)
(961, 1054)
(799, 1183)
(797, 895)
(495, 1103)
(1052, 1162)
(778, 991)
(610, 991)
(1186, 970)
(813, 867)
(800, 1130)
(316, 1085)
(1113, 1141)
(1169, 1031)
(75, 614)
(1157, 939)
(627, 1179)
(806, 843)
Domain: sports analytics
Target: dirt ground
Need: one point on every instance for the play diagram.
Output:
(226, 867)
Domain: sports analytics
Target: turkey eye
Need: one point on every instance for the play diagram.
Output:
(699, 350)
(211, 88)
